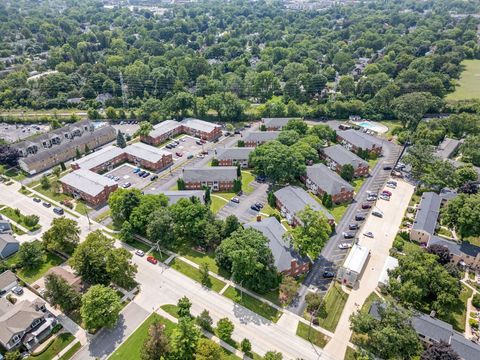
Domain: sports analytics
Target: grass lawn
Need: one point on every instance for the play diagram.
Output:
(458, 317)
(334, 303)
(50, 193)
(19, 219)
(194, 274)
(312, 335)
(253, 304)
(60, 342)
(369, 301)
(467, 87)
(131, 348)
(414, 200)
(357, 184)
(15, 174)
(445, 232)
(372, 163)
(82, 208)
(170, 309)
(70, 352)
(338, 210)
(247, 178)
(140, 245)
(203, 258)
(174, 187)
(473, 240)
(225, 195)
(273, 296)
(217, 204)
(350, 354)
(267, 209)
(103, 216)
(392, 126)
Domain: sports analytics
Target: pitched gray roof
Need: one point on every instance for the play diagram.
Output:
(447, 148)
(146, 152)
(235, 153)
(342, 156)
(199, 125)
(5, 226)
(6, 278)
(174, 196)
(214, 173)
(295, 199)
(360, 139)
(466, 349)
(463, 248)
(282, 251)
(6, 239)
(87, 181)
(164, 127)
(261, 136)
(428, 212)
(276, 122)
(326, 179)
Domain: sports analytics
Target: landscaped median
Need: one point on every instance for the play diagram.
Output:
(194, 274)
(30, 222)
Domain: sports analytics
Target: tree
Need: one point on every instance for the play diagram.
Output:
(246, 254)
(391, 335)
(78, 154)
(100, 307)
(184, 339)
(246, 346)
(230, 224)
(466, 174)
(156, 345)
(277, 162)
(288, 137)
(237, 185)
(311, 236)
(8, 155)
(204, 275)
(410, 108)
(225, 329)
(126, 232)
(13, 355)
(184, 304)
(31, 255)
(273, 355)
(120, 268)
(110, 113)
(160, 227)
(190, 218)
(59, 292)
(31, 220)
(420, 158)
(180, 184)
(476, 301)
(272, 201)
(241, 143)
(122, 202)
(288, 289)
(44, 182)
(462, 213)
(141, 214)
(63, 235)
(315, 304)
(204, 320)
(144, 129)
(57, 171)
(347, 172)
(442, 252)
(439, 351)
(441, 175)
(207, 197)
(297, 125)
(121, 143)
(208, 350)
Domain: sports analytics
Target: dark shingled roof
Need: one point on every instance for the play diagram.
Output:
(360, 139)
(428, 212)
(342, 156)
(327, 179)
(276, 122)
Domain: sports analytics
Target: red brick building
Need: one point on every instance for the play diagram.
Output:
(255, 138)
(216, 178)
(320, 180)
(356, 140)
(337, 156)
(234, 156)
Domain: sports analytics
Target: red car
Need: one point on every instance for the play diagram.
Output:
(366, 206)
(152, 260)
(179, 154)
(386, 192)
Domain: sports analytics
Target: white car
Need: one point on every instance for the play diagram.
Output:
(385, 197)
(139, 252)
(344, 246)
(368, 234)
(392, 186)
(371, 198)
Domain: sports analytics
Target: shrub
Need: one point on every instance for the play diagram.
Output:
(473, 323)
(57, 328)
(476, 300)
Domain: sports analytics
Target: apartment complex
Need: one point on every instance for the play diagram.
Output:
(320, 180)
(275, 124)
(356, 140)
(337, 156)
(234, 156)
(255, 138)
(220, 178)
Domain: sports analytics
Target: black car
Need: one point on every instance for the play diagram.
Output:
(154, 177)
(254, 207)
(261, 178)
(353, 227)
(47, 204)
(141, 173)
(347, 235)
(58, 211)
(259, 205)
(387, 167)
(37, 200)
(147, 174)
(328, 274)
(359, 217)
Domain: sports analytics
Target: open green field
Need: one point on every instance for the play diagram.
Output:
(468, 86)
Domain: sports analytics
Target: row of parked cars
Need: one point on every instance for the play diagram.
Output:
(56, 210)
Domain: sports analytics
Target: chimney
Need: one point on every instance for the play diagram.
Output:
(259, 218)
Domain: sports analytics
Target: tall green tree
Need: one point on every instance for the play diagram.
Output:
(156, 345)
(59, 292)
(63, 235)
(31, 255)
(100, 307)
(122, 202)
(121, 143)
(184, 339)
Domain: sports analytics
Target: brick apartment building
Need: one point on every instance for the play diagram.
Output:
(216, 178)
(255, 138)
(337, 156)
(355, 140)
(320, 180)
(275, 124)
(234, 156)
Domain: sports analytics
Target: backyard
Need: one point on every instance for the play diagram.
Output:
(57, 345)
(467, 87)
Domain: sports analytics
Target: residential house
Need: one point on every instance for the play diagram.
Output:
(25, 323)
(175, 195)
(320, 180)
(447, 148)
(286, 259)
(255, 138)
(275, 124)
(8, 281)
(234, 156)
(355, 140)
(73, 280)
(337, 156)
(217, 178)
(5, 226)
(8, 245)
(292, 199)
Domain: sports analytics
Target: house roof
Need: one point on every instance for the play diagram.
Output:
(326, 179)
(146, 152)
(73, 280)
(235, 153)
(428, 212)
(463, 248)
(282, 251)
(5, 226)
(276, 122)
(16, 318)
(164, 127)
(342, 156)
(390, 264)
(360, 139)
(6, 278)
(199, 125)
(448, 147)
(87, 181)
(6, 239)
(261, 136)
(173, 196)
(296, 199)
(465, 348)
(214, 173)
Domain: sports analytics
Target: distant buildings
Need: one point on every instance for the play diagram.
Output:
(337, 157)
(234, 156)
(448, 148)
(320, 179)
(220, 178)
(255, 138)
(275, 124)
(175, 195)
(286, 259)
(60, 145)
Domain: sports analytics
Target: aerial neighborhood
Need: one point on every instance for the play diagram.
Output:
(240, 180)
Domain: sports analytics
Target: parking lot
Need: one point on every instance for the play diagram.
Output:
(125, 174)
(127, 128)
(15, 132)
(185, 146)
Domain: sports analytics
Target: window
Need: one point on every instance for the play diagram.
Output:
(16, 339)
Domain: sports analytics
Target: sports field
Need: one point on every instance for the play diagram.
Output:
(468, 87)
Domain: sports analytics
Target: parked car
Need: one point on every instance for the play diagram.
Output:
(126, 185)
(391, 186)
(46, 204)
(202, 141)
(261, 178)
(136, 170)
(371, 194)
(348, 235)
(386, 192)
(190, 156)
(377, 213)
(58, 211)
(259, 205)
(17, 290)
(240, 193)
(368, 234)
(179, 154)
(147, 174)
(385, 197)
(328, 274)
(366, 206)
(152, 260)
(154, 177)
(198, 142)
(139, 252)
(359, 217)
(387, 167)
(392, 182)
(254, 207)
(140, 174)
(236, 200)
(168, 146)
(353, 226)
(116, 178)
(37, 200)
(371, 198)
(344, 246)
(237, 132)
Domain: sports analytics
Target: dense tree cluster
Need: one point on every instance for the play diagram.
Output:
(462, 213)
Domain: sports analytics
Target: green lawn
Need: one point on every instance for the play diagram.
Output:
(103, 216)
(335, 300)
(350, 354)
(194, 274)
(253, 304)
(247, 178)
(217, 204)
(474, 240)
(357, 184)
(131, 348)
(203, 258)
(445, 232)
(467, 87)
(369, 301)
(70, 352)
(392, 126)
(50, 193)
(140, 245)
(19, 219)
(458, 317)
(372, 163)
(267, 209)
(60, 342)
(338, 210)
(15, 174)
(81, 207)
(226, 195)
(312, 335)
(170, 309)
